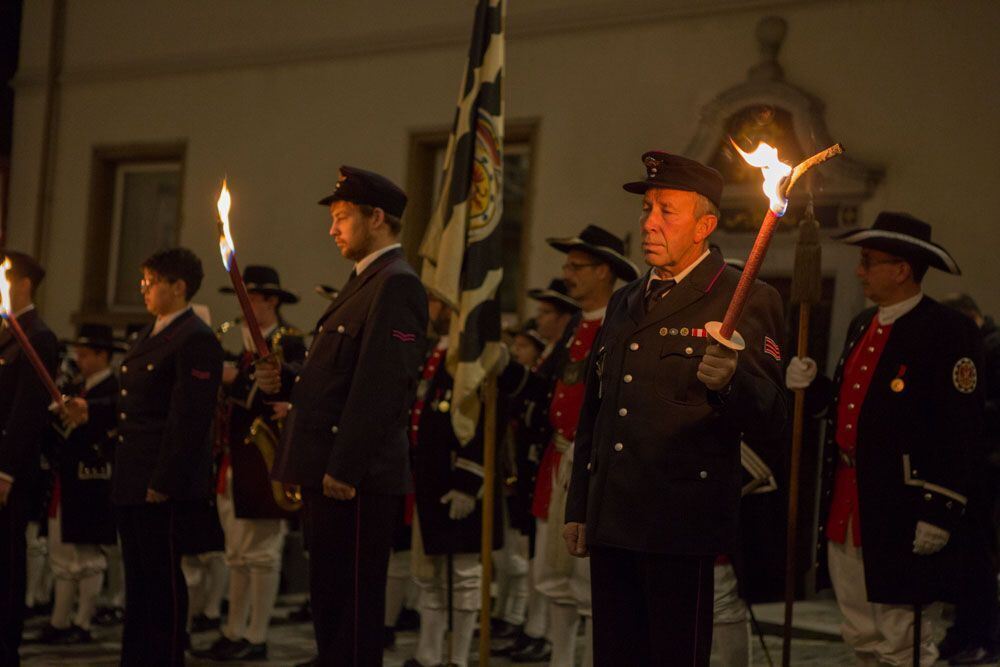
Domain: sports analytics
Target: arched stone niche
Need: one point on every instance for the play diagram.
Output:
(766, 107)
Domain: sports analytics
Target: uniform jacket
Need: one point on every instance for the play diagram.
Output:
(83, 462)
(252, 494)
(169, 388)
(441, 463)
(352, 395)
(24, 401)
(912, 449)
(656, 466)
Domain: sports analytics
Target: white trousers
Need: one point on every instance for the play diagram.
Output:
(730, 624)
(878, 633)
(511, 564)
(253, 554)
(78, 570)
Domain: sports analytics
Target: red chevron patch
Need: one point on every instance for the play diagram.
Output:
(404, 336)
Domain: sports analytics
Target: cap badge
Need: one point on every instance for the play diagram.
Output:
(652, 166)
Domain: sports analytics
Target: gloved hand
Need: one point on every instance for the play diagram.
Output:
(462, 504)
(929, 539)
(800, 373)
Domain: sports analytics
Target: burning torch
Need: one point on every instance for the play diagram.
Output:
(22, 339)
(779, 178)
(228, 250)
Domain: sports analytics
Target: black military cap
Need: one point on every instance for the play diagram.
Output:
(97, 336)
(556, 294)
(264, 280)
(603, 245)
(360, 186)
(24, 265)
(902, 235)
(673, 172)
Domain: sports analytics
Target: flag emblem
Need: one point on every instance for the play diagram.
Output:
(771, 348)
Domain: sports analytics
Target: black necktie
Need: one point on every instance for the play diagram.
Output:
(656, 290)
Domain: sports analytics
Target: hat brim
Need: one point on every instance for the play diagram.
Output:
(552, 296)
(640, 188)
(902, 245)
(97, 344)
(620, 264)
(284, 296)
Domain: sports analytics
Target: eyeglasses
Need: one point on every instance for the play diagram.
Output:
(576, 266)
(867, 262)
(146, 285)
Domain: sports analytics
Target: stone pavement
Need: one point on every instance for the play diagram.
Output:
(815, 621)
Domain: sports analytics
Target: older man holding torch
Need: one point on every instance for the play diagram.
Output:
(656, 476)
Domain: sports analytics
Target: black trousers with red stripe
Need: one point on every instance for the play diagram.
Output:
(349, 543)
(156, 597)
(651, 609)
(13, 523)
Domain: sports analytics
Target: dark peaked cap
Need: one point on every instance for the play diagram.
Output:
(902, 235)
(673, 172)
(360, 186)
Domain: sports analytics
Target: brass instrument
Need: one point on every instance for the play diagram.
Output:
(266, 441)
(262, 435)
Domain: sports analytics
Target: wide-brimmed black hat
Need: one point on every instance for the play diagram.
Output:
(601, 244)
(557, 294)
(23, 264)
(360, 186)
(902, 235)
(529, 330)
(97, 336)
(674, 172)
(264, 280)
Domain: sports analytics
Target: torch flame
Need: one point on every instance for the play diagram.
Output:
(4, 288)
(226, 246)
(765, 157)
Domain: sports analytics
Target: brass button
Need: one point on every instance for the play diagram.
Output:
(619, 446)
(703, 474)
(850, 406)
(297, 378)
(849, 427)
(627, 378)
(864, 368)
(149, 367)
(688, 350)
(341, 329)
(588, 466)
(124, 369)
(124, 392)
(871, 348)
(622, 412)
(928, 496)
(334, 429)
(319, 329)
(122, 416)
(121, 438)
(634, 346)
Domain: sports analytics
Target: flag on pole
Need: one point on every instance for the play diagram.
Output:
(462, 248)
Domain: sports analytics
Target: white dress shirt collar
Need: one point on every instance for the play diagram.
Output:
(96, 379)
(889, 314)
(679, 276)
(163, 321)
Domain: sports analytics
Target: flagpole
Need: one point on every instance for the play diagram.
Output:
(489, 474)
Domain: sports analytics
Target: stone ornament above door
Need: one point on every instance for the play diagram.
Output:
(766, 107)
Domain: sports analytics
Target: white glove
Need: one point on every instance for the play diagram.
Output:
(929, 539)
(462, 504)
(800, 373)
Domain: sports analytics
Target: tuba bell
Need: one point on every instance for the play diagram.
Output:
(263, 437)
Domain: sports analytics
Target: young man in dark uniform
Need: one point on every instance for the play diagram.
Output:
(655, 489)
(163, 460)
(903, 413)
(253, 521)
(24, 419)
(81, 518)
(345, 438)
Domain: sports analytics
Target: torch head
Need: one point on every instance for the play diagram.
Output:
(226, 246)
(775, 172)
(5, 308)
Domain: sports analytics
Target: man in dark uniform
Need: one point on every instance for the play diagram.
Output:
(903, 411)
(530, 390)
(252, 520)
(974, 637)
(345, 440)
(656, 483)
(81, 519)
(447, 526)
(24, 418)
(163, 460)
